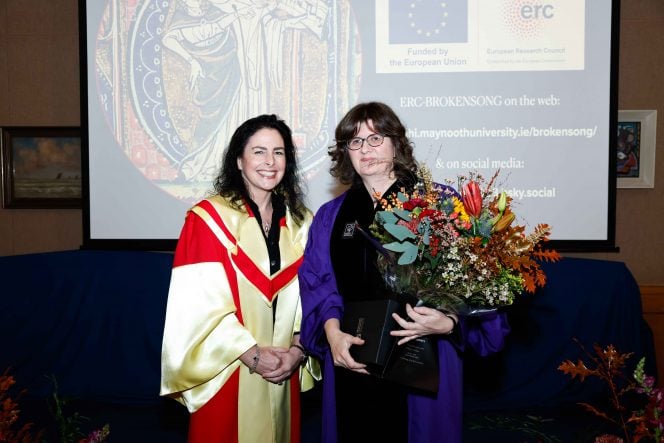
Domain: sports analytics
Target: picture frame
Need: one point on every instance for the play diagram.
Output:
(635, 149)
(41, 167)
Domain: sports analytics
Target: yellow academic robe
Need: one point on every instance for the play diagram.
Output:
(219, 306)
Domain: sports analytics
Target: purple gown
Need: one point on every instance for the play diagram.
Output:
(430, 419)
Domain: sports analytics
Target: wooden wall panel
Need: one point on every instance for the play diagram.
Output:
(652, 297)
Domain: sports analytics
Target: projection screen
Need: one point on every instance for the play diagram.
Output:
(524, 86)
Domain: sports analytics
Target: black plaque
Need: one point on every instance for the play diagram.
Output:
(413, 364)
(372, 321)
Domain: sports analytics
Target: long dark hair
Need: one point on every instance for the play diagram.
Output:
(230, 184)
(384, 121)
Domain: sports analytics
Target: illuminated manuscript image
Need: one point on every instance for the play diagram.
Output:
(176, 77)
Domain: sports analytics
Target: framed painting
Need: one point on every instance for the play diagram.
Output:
(635, 163)
(41, 167)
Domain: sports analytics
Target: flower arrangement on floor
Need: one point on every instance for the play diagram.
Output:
(642, 423)
(461, 250)
(68, 424)
(10, 429)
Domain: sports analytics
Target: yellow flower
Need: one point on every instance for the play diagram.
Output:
(460, 209)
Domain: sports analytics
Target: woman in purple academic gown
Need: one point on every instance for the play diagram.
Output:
(373, 156)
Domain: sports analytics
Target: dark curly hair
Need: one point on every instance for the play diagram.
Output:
(384, 121)
(230, 184)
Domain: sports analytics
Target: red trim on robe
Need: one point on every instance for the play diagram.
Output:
(295, 428)
(217, 420)
(253, 273)
(198, 244)
(286, 276)
(212, 211)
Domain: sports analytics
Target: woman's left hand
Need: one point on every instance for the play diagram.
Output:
(425, 321)
(290, 361)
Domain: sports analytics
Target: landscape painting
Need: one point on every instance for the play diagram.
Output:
(41, 167)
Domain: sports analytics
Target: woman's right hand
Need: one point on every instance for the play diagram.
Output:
(340, 344)
(268, 359)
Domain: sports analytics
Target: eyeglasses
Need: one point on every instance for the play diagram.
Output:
(372, 140)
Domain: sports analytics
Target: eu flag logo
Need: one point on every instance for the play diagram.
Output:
(428, 21)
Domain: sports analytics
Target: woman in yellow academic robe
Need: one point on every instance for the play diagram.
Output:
(231, 351)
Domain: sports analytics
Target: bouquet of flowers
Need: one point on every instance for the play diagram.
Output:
(458, 251)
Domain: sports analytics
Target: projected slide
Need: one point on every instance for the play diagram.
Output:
(517, 85)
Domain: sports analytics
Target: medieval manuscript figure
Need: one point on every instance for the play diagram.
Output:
(176, 77)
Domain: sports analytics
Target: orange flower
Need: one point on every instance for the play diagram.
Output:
(503, 222)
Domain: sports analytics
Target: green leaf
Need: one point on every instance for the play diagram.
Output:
(434, 261)
(386, 217)
(409, 255)
(402, 214)
(399, 232)
(395, 246)
(426, 234)
(402, 197)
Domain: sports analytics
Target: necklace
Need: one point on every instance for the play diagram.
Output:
(266, 218)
